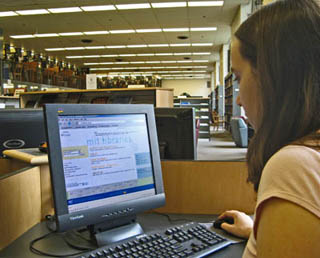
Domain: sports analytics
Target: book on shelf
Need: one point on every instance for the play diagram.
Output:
(31, 155)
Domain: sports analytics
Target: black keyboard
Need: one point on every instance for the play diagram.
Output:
(187, 240)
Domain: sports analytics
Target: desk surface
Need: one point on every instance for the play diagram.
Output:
(149, 222)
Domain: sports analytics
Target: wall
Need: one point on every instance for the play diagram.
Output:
(193, 87)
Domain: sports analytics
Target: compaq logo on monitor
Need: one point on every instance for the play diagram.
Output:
(14, 144)
(77, 217)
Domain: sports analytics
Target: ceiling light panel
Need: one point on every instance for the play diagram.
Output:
(46, 35)
(71, 34)
(54, 49)
(180, 45)
(32, 12)
(136, 46)
(65, 10)
(74, 48)
(175, 29)
(101, 32)
(169, 4)
(96, 47)
(132, 6)
(148, 30)
(158, 45)
(205, 3)
(119, 46)
(202, 44)
(204, 29)
(29, 36)
(121, 31)
(8, 14)
(98, 8)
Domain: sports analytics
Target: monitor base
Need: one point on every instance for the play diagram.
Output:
(111, 235)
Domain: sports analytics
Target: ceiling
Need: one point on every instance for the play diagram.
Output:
(187, 57)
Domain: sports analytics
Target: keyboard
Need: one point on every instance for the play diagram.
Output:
(187, 240)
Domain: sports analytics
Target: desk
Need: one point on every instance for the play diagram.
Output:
(149, 221)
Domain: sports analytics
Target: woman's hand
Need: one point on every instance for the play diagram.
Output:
(243, 224)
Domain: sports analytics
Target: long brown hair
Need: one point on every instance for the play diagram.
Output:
(282, 43)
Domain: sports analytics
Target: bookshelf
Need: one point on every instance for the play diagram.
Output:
(231, 93)
(201, 106)
(157, 96)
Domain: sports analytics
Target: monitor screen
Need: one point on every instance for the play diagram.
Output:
(176, 128)
(21, 128)
(104, 162)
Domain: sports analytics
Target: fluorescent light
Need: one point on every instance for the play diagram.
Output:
(91, 63)
(121, 31)
(204, 29)
(46, 35)
(32, 12)
(74, 57)
(201, 53)
(169, 4)
(98, 8)
(132, 6)
(152, 62)
(146, 54)
(168, 62)
(54, 49)
(201, 44)
(92, 56)
(180, 45)
(182, 54)
(106, 63)
(29, 36)
(6, 14)
(127, 55)
(121, 62)
(95, 47)
(184, 61)
(109, 55)
(148, 30)
(71, 34)
(101, 32)
(136, 46)
(164, 54)
(175, 29)
(137, 62)
(74, 48)
(205, 3)
(65, 10)
(158, 45)
(119, 46)
(200, 61)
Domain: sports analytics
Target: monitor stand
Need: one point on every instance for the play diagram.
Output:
(115, 230)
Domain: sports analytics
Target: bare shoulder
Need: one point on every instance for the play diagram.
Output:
(286, 229)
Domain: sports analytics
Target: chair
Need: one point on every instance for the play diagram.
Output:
(17, 72)
(239, 131)
(217, 121)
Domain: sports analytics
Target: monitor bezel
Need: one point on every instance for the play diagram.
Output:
(105, 213)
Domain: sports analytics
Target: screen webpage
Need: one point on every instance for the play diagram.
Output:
(106, 159)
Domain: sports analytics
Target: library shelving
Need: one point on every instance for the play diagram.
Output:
(201, 106)
(231, 93)
(159, 97)
(219, 100)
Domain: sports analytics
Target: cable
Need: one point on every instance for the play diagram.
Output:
(39, 252)
(170, 219)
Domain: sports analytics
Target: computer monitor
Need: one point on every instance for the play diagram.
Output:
(176, 128)
(21, 128)
(105, 167)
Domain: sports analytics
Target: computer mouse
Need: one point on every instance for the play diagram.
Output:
(218, 222)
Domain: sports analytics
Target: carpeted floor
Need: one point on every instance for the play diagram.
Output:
(220, 147)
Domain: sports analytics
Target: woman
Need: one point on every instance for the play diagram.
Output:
(276, 59)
